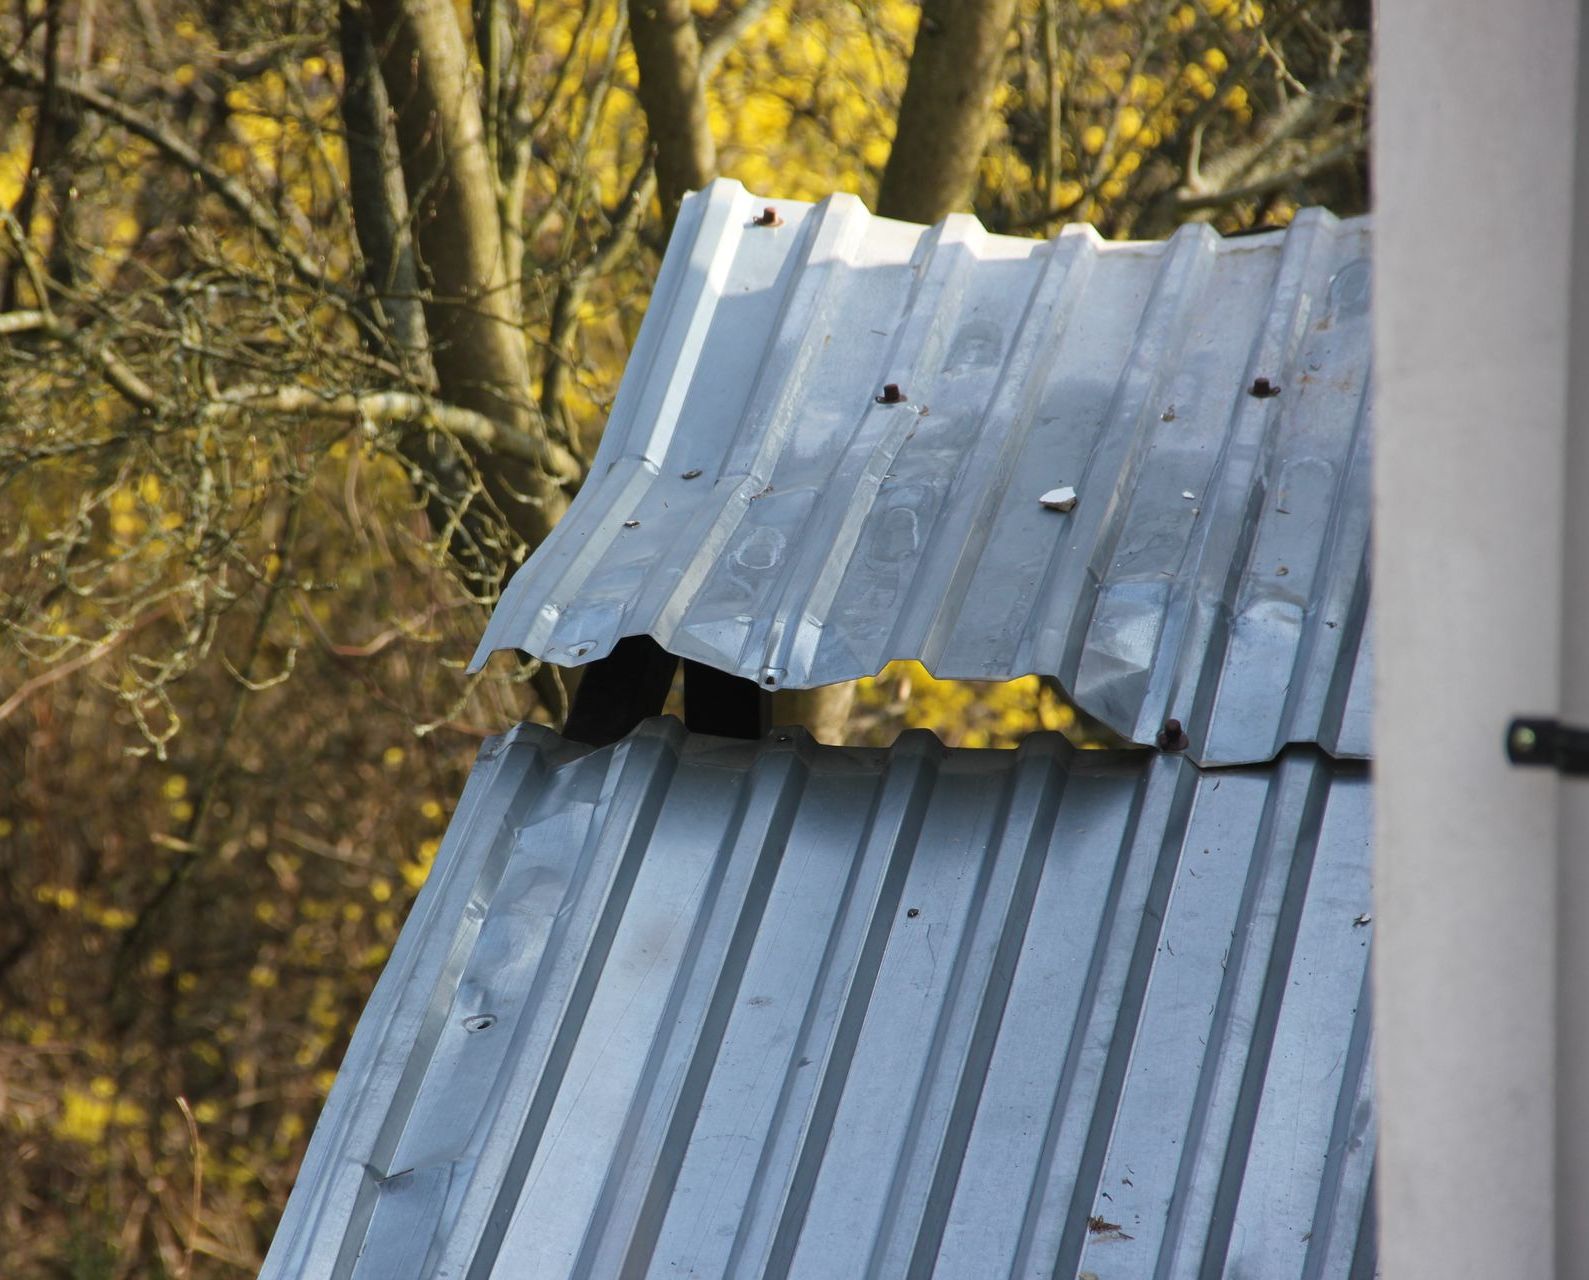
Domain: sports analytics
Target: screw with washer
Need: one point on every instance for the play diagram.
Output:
(891, 394)
(1173, 737)
(768, 217)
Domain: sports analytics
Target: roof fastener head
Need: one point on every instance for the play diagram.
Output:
(631, 524)
(892, 394)
(1173, 737)
(768, 217)
(691, 474)
(1263, 388)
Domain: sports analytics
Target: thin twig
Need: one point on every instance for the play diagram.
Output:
(215, 767)
(192, 1232)
(44, 679)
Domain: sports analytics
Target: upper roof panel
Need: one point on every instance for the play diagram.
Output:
(690, 1006)
(755, 506)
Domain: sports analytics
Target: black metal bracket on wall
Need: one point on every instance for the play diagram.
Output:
(632, 684)
(1547, 743)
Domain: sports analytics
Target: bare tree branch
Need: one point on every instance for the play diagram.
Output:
(87, 658)
(387, 408)
(719, 41)
(1275, 180)
(23, 321)
(571, 294)
(1298, 116)
(45, 131)
(236, 196)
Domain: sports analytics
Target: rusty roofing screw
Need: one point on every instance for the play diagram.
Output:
(768, 217)
(1263, 388)
(1172, 737)
(891, 394)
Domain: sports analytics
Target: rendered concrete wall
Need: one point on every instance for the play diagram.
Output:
(1572, 903)
(1475, 208)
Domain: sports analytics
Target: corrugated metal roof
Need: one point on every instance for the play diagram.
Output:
(690, 1006)
(752, 506)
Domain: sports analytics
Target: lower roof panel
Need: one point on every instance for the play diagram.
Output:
(690, 1006)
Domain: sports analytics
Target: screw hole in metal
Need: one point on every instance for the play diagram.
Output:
(480, 1022)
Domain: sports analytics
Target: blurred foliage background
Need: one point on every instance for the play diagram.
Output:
(259, 481)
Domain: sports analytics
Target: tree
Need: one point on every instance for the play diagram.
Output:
(945, 117)
(673, 93)
(310, 316)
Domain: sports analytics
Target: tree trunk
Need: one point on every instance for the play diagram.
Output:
(380, 205)
(470, 289)
(394, 321)
(673, 93)
(944, 119)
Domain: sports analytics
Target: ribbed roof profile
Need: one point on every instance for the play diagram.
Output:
(754, 505)
(691, 1006)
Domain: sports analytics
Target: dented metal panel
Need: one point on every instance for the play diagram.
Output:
(762, 502)
(691, 1006)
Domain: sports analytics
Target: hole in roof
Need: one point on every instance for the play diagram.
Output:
(966, 713)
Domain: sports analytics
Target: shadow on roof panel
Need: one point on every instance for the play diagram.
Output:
(690, 1006)
(762, 502)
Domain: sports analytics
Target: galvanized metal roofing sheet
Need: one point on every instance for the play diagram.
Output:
(690, 1006)
(753, 505)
